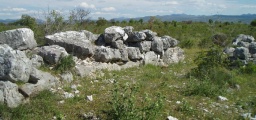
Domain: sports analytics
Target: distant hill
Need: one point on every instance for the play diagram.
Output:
(6, 21)
(245, 18)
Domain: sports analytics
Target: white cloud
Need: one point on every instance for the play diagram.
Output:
(108, 9)
(171, 3)
(13, 10)
(86, 5)
(248, 6)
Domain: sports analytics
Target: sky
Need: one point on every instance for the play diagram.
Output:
(108, 9)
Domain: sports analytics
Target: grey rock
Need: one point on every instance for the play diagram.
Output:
(124, 55)
(21, 39)
(243, 38)
(119, 44)
(14, 64)
(100, 41)
(74, 42)
(137, 37)
(150, 34)
(173, 55)
(243, 44)
(36, 60)
(52, 54)
(171, 118)
(90, 36)
(128, 30)
(229, 51)
(39, 81)
(166, 43)
(105, 54)
(157, 45)
(9, 94)
(67, 77)
(221, 98)
(172, 41)
(134, 53)
(151, 58)
(144, 46)
(252, 48)
(114, 33)
(242, 53)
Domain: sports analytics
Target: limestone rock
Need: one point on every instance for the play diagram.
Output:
(151, 58)
(39, 81)
(36, 60)
(52, 54)
(157, 45)
(172, 42)
(114, 33)
(21, 39)
(9, 94)
(119, 44)
(105, 54)
(252, 48)
(74, 42)
(150, 34)
(137, 37)
(134, 53)
(144, 46)
(242, 53)
(243, 38)
(173, 55)
(229, 51)
(128, 30)
(14, 64)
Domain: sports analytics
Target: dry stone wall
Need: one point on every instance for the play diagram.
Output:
(116, 49)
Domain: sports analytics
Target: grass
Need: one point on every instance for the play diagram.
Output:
(151, 81)
(138, 93)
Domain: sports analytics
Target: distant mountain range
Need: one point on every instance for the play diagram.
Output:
(245, 18)
(7, 21)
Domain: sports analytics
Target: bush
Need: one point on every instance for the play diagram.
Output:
(66, 63)
(250, 68)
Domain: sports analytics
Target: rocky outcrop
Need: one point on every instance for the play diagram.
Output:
(14, 64)
(243, 49)
(52, 54)
(19, 39)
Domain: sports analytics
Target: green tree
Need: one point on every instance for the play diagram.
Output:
(54, 22)
(253, 23)
(140, 21)
(210, 21)
(28, 21)
(101, 21)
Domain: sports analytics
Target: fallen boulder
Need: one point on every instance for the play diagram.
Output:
(18, 39)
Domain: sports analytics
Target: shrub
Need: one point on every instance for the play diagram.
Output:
(250, 68)
(66, 63)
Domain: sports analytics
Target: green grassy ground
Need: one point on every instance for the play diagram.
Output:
(153, 91)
